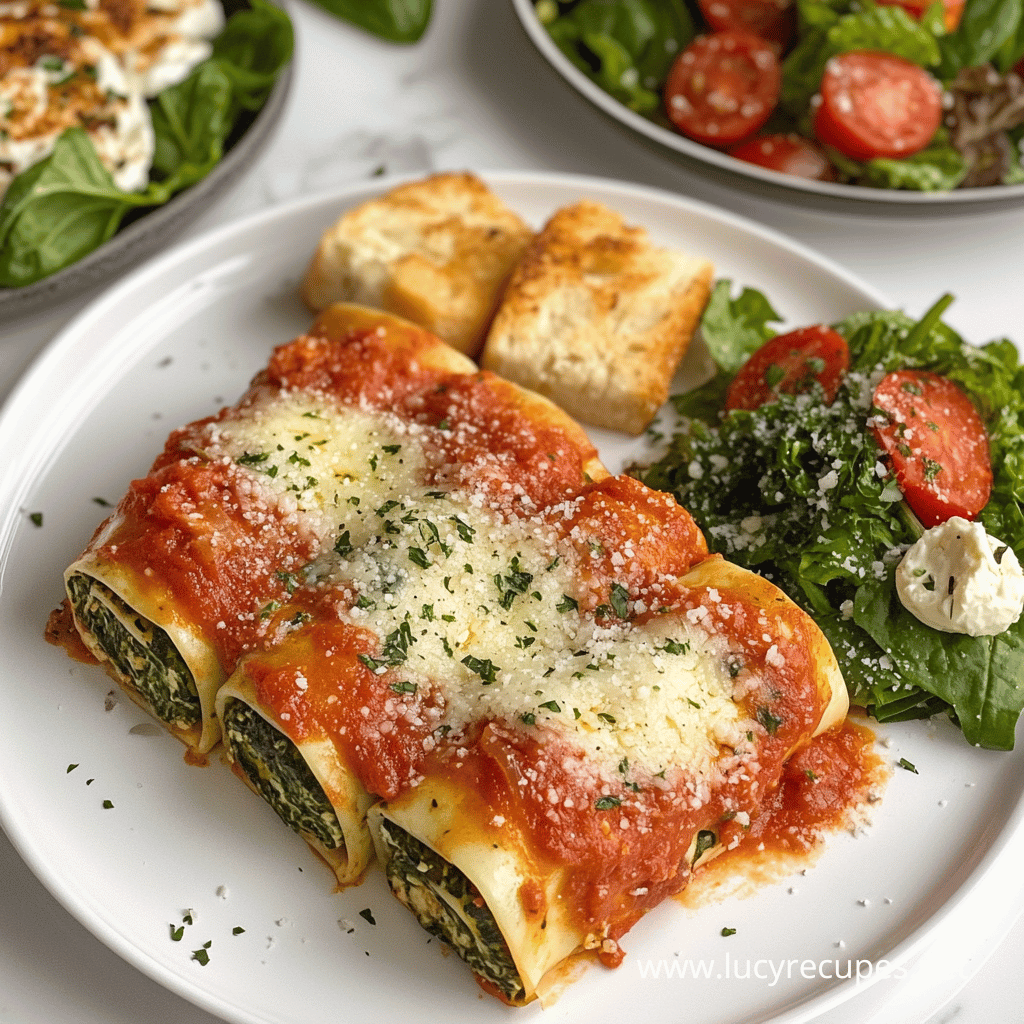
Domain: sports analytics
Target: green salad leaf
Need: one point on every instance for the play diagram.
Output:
(935, 168)
(798, 491)
(398, 21)
(190, 121)
(734, 328)
(252, 51)
(626, 46)
(985, 27)
(67, 205)
(58, 211)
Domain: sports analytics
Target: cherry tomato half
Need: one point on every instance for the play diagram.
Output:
(876, 105)
(952, 9)
(787, 153)
(936, 443)
(723, 87)
(771, 20)
(790, 363)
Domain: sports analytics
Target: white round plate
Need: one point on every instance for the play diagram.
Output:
(177, 340)
(751, 177)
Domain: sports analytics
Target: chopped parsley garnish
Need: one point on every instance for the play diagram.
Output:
(202, 955)
(419, 557)
(567, 604)
(620, 600)
(343, 545)
(726, 932)
(904, 763)
(607, 803)
(403, 687)
(512, 584)
(550, 705)
(290, 580)
(484, 668)
(367, 915)
(252, 458)
(768, 721)
(605, 717)
(705, 840)
(676, 647)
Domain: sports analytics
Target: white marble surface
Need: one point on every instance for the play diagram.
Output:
(475, 94)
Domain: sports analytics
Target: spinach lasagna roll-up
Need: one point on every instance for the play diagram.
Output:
(279, 745)
(184, 577)
(340, 703)
(637, 737)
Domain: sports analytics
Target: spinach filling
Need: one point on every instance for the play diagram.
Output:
(275, 767)
(448, 905)
(140, 652)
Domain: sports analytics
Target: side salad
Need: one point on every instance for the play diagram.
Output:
(67, 204)
(817, 458)
(898, 94)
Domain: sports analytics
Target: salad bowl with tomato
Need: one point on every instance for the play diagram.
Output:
(896, 103)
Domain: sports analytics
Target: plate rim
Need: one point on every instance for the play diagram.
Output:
(831, 195)
(17, 479)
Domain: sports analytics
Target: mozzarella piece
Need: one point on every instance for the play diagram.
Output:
(31, 106)
(178, 47)
(958, 579)
(126, 148)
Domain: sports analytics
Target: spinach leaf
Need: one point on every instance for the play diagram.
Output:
(398, 21)
(252, 51)
(191, 120)
(802, 71)
(734, 328)
(985, 27)
(58, 211)
(978, 676)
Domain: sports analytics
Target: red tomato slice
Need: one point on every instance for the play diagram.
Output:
(723, 87)
(790, 363)
(876, 105)
(788, 154)
(952, 9)
(771, 20)
(936, 443)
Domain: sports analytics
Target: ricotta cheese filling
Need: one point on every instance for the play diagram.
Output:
(959, 579)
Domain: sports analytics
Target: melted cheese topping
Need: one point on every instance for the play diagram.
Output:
(491, 602)
(491, 617)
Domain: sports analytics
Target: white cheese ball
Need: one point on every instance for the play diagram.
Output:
(959, 579)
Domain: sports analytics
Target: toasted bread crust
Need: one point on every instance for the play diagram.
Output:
(438, 252)
(597, 318)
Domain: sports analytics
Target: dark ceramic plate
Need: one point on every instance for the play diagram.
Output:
(157, 228)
